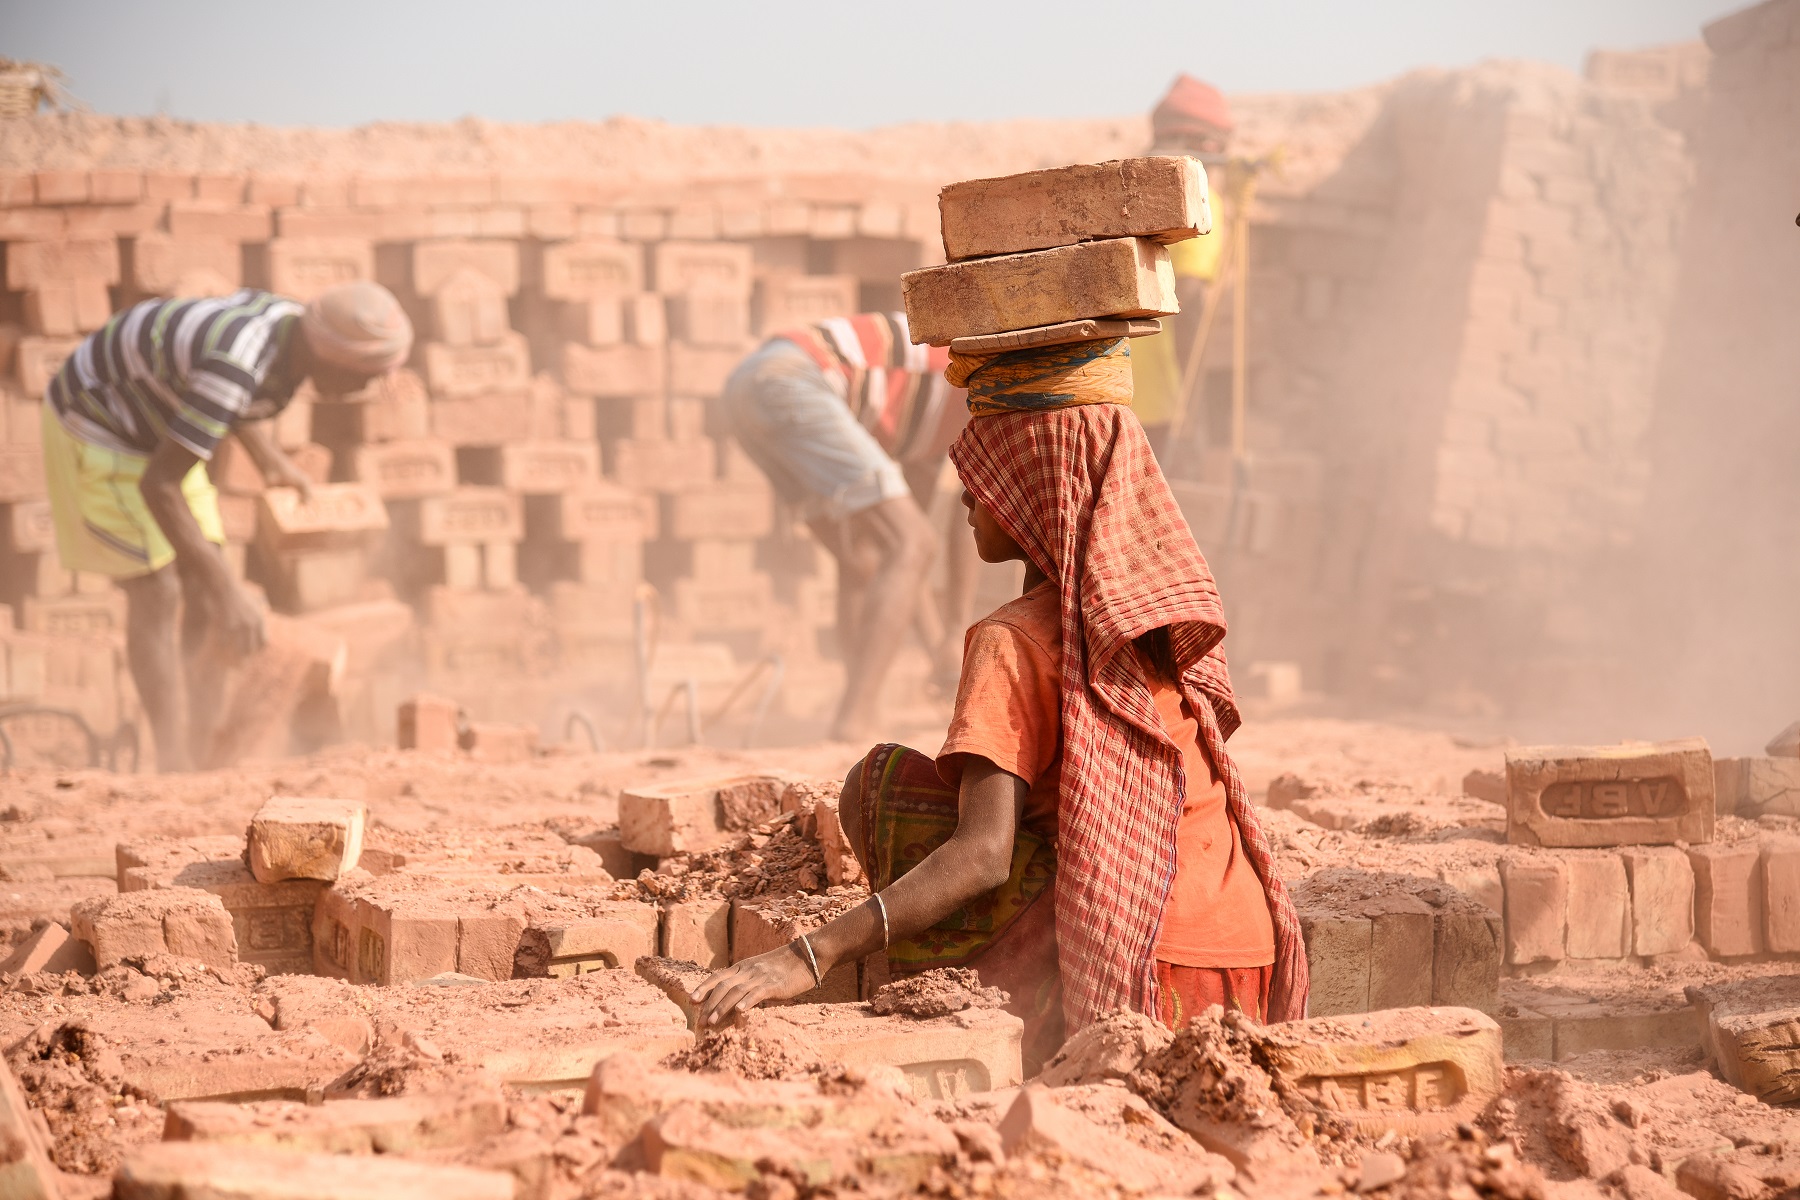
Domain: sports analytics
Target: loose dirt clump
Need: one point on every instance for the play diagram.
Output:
(735, 1050)
(775, 858)
(1466, 1167)
(936, 994)
(74, 1077)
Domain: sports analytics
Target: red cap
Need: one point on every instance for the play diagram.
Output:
(1192, 107)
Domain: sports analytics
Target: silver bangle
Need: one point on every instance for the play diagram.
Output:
(881, 907)
(812, 960)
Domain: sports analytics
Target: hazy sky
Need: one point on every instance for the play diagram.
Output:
(336, 62)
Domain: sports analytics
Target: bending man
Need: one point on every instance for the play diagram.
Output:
(851, 423)
(129, 423)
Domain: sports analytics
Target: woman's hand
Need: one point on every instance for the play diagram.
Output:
(777, 975)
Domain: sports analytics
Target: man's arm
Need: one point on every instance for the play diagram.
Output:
(234, 619)
(278, 470)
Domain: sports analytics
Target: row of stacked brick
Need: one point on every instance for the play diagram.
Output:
(556, 447)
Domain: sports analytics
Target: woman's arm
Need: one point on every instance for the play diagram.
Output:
(977, 858)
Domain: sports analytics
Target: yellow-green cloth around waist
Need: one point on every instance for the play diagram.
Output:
(102, 522)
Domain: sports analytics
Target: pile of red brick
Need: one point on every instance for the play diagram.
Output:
(554, 447)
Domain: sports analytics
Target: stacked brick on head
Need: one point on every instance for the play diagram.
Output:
(1050, 247)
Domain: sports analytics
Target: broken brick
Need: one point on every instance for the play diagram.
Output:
(183, 921)
(1120, 277)
(943, 1058)
(1632, 794)
(180, 1170)
(293, 837)
(1418, 1071)
(697, 931)
(1161, 198)
(51, 950)
(1662, 899)
(1728, 898)
(389, 1125)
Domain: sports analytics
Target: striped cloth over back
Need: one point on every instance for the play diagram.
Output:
(183, 369)
(896, 390)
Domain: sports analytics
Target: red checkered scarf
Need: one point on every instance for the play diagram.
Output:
(1080, 492)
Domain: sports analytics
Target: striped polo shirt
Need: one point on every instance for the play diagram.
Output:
(895, 389)
(182, 369)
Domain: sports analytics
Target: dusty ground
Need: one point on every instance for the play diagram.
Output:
(1616, 1123)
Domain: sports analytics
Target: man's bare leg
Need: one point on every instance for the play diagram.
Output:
(883, 553)
(152, 607)
(204, 665)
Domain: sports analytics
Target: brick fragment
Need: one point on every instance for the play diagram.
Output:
(709, 320)
(302, 267)
(1537, 908)
(697, 931)
(660, 465)
(1337, 955)
(534, 468)
(335, 516)
(943, 1058)
(701, 268)
(304, 581)
(74, 306)
(436, 263)
(591, 270)
(1785, 744)
(160, 262)
(389, 1125)
(1161, 198)
(1121, 277)
(299, 667)
(1633, 794)
(540, 1033)
(469, 310)
(213, 219)
(470, 370)
(426, 722)
(1781, 894)
(37, 362)
(696, 814)
(295, 837)
(1728, 897)
(1137, 1148)
(35, 264)
(1599, 906)
(1419, 1071)
(1752, 1029)
(179, 1170)
(497, 742)
(468, 514)
(701, 370)
(616, 370)
(183, 921)
(272, 922)
(51, 950)
(608, 935)
(1662, 899)
(26, 1172)
(758, 927)
(787, 301)
(405, 470)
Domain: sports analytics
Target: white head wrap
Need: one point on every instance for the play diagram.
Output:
(358, 326)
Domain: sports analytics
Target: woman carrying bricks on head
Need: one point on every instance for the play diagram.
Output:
(1083, 839)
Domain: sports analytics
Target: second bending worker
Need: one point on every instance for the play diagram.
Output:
(851, 423)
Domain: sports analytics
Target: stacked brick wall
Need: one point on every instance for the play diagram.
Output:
(549, 474)
(1725, 508)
